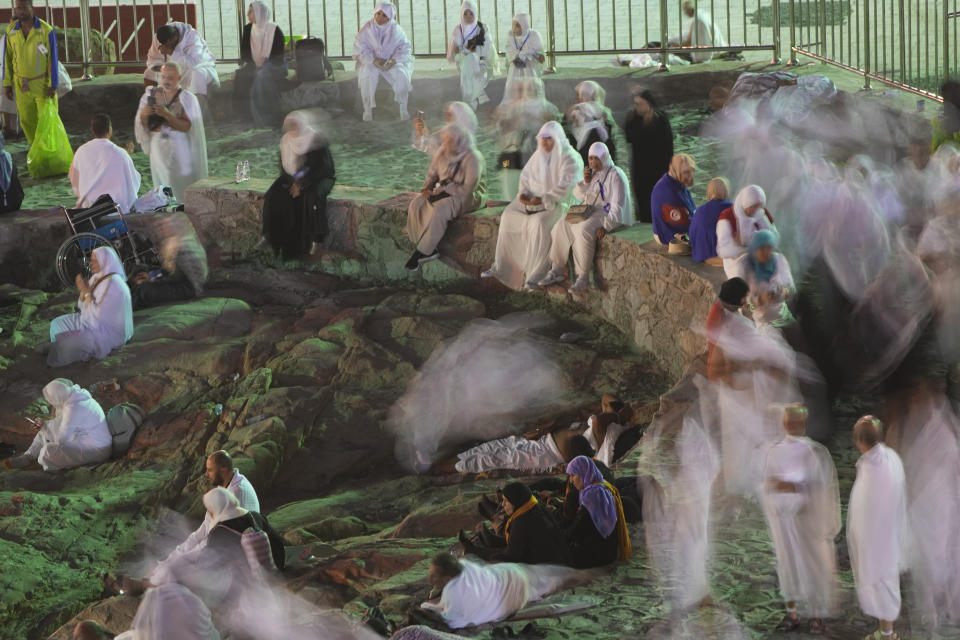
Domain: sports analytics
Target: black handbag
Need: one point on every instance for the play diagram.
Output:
(510, 160)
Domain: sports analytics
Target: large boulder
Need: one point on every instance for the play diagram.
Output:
(193, 320)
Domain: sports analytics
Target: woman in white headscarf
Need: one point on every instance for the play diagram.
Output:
(77, 433)
(455, 185)
(458, 113)
(472, 48)
(524, 50)
(736, 226)
(523, 242)
(382, 49)
(105, 319)
(262, 67)
(295, 206)
(604, 188)
(589, 120)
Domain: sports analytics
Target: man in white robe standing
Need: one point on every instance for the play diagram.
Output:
(382, 49)
(169, 128)
(179, 42)
(522, 257)
(802, 505)
(220, 472)
(876, 526)
(698, 31)
(101, 167)
(77, 434)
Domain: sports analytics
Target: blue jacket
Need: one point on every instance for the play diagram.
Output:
(667, 196)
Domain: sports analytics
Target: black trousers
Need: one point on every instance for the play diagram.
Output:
(161, 291)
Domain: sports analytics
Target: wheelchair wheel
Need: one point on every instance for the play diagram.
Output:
(73, 256)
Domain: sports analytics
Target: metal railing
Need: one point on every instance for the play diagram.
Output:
(909, 44)
(905, 43)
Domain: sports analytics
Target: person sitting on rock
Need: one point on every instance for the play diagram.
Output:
(458, 113)
(522, 256)
(703, 227)
(220, 472)
(598, 535)
(171, 611)
(671, 203)
(295, 205)
(604, 188)
(472, 594)
(91, 630)
(530, 534)
(101, 167)
(456, 184)
(180, 43)
(184, 271)
(738, 223)
(382, 49)
(77, 434)
(105, 319)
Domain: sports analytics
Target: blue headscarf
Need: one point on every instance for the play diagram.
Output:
(594, 496)
(6, 168)
(762, 238)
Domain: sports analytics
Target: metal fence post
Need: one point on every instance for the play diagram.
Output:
(903, 43)
(946, 42)
(866, 45)
(793, 33)
(551, 39)
(84, 38)
(663, 36)
(775, 17)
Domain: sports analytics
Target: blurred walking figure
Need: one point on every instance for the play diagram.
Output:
(801, 499)
(382, 49)
(876, 526)
(256, 82)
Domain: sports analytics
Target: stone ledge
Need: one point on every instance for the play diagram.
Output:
(658, 300)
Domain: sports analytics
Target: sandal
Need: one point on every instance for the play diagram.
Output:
(816, 627)
(789, 623)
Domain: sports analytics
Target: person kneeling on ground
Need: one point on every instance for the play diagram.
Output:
(77, 434)
(598, 534)
(530, 534)
(456, 184)
(472, 594)
(604, 194)
(295, 206)
(184, 270)
(105, 319)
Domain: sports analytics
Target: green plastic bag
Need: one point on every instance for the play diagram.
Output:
(50, 154)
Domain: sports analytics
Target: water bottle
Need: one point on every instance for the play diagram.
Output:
(246, 170)
(239, 172)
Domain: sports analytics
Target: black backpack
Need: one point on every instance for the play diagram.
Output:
(312, 61)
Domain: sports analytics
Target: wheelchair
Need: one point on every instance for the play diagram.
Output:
(101, 225)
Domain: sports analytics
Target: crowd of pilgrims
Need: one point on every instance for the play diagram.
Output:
(882, 242)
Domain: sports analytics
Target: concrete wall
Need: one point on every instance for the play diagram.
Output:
(660, 301)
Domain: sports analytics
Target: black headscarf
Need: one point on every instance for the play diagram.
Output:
(517, 493)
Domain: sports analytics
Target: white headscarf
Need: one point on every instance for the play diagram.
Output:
(61, 392)
(222, 505)
(463, 116)
(388, 9)
(545, 170)
(295, 145)
(109, 263)
(590, 91)
(261, 33)
(522, 19)
(467, 28)
(600, 151)
(444, 163)
(587, 117)
(383, 40)
(749, 196)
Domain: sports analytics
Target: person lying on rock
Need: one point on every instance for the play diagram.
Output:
(184, 271)
(77, 434)
(105, 319)
(531, 535)
(471, 593)
(598, 535)
(220, 472)
(542, 451)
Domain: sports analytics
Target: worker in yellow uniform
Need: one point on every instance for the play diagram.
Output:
(29, 65)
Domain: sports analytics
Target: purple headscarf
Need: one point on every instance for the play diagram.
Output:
(594, 497)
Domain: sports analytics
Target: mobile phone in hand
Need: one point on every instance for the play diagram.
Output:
(36, 423)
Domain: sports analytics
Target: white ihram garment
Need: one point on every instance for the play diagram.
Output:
(76, 435)
(101, 167)
(384, 42)
(198, 66)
